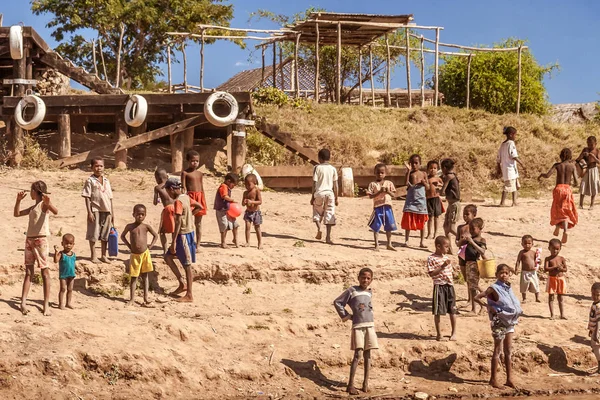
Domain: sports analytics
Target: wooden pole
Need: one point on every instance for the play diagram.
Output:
(177, 147)
(188, 139)
(121, 133)
(408, 88)
(519, 82)
(469, 81)
(202, 62)
(422, 74)
(388, 72)
(360, 83)
(275, 64)
(338, 75)
(64, 133)
(317, 81)
(238, 148)
(281, 72)
(102, 58)
(371, 76)
(169, 68)
(263, 65)
(437, 65)
(94, 57)
(296, 67)
(16, 141)
(118, 77)
(185, 86)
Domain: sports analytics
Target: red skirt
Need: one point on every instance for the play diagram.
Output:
(413, 222)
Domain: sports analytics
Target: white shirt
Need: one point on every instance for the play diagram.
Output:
(506, 157)
(324, 176)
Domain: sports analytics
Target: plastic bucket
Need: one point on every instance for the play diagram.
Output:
(487, 268)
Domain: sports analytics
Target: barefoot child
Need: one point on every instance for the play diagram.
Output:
(444, 300)
(593, 323)
(364, 337)
(324, 195)
(192, 181)
(98, 203)
(504, 310)
(434, 204)
(556, 266)
(381, 191)
(140, 261)
(590, 181)
(167, 217)
(415, 207)
(252, 199)
(451, 190)
(476, 247)
(66, 270)
(469, 213)
(36, 242)
(528, 258)
(222, 200)
(563, 213)
(507, 161)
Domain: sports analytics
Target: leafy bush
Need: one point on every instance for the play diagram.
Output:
(276, 97)
(34, 156)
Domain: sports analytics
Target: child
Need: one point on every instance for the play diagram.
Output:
(167, 217)
(469, 213)
(507, 161)
(381, 192)
(528, 258)
(140, 261)
(556, 266)
(192, 180)
(440, 270)
(590, 182)
(563, 213)
(504, 310)
(221, 205)
(451, 190)
(324, 195)
(252, 199)
(593, 323)
(476, 247)
(415, 206)
(66, 270)
(434, 204)
(98, 203)
(36, 243)
(364, 337)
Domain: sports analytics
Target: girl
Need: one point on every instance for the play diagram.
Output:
(415, 208)
(476, 247)
(504, 310)
(36, 244)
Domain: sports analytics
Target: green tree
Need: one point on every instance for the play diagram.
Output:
(494, 80)
(141, 23)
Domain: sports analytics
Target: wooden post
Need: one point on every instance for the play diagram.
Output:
(118, 77)
(169, 68)
(371, 75)
(263, 65)
(238, 148)
(274, 64)
(469, 81)
(338, 75)
(408, 88)
(422, 73)
(281, 73)
(230, 146)
(177, 147)
(94, 57)
(185, 86)
(388, 72)
(437, 65)
(317, 84)
(202, 61)
(519, 81)
(16, 141)
(28, 67)
(360, 83)
(296, 67)
(64, 133)
(121, 134)
(188, 139)
(102, 58)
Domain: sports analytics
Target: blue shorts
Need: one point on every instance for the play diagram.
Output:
(383, 216)
(254, 217)
(185, 249)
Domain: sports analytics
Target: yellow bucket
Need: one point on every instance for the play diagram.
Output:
(487, 267)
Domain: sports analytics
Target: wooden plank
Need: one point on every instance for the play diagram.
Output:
(285, 139)
(83, 157)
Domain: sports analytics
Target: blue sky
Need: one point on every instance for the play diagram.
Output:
(558, 31)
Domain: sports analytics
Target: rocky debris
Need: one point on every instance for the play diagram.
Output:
(52, 83)
(576, 113)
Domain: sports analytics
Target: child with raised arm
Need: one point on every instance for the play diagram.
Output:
(324, 197)
(440, 270)
(167, 216)
(434, 203)
(556, 266)
(221, 205)
(563, 214)
(66, 270)
(469, 214)
(98, 196)
(381, 191)
(364, 337)
(476, 247)
(590, 181)
(451, 190)
(593, 324)
(140, 261)
(252, 199)
(415, 214)
(529, 260)
(504, 310)
(507, 161)
(192, 181)
(36, 242)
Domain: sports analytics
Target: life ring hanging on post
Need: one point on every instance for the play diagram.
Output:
(39, 112)
(136, 111)
(209, 111)
(15, 39)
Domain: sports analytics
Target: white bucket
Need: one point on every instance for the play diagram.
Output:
(248, 169)
(347, 182)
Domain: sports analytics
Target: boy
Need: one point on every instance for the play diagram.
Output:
(434, 204)
(364, 337)
(139, 261)
(440, 270)
(100, 212)
(167, 217)
(475, 249)
(563, 213)
(183, 245)
(506, 162)
(593, 323)
(324, 197)
(381, 192)
(252, 199)
(192, 180)
(529, 261)
(222, 200)
(556, 266)
(451, 190)
(66, 270)
(590, 181)
(469, 214)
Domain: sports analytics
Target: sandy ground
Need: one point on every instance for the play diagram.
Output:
(263, 324)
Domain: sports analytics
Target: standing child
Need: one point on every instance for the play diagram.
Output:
(590, 181)
(529, 259)
(469, 213)
(364, 337)
(556, 266)
(440, 270)
(476, 247)
(504, 310)
(381, 192)
(324, 195)
(222, 200)
(192, 180)
(434, 204)
(167, 216)
(451, 190)
(98, 203)
(593, 323)
(252, 199)
(415, 206)
(507, 161)
(140, 261)
(66, 270)
(36, 243)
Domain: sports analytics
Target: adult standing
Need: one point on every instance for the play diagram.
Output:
(590, 181)
(507, 161)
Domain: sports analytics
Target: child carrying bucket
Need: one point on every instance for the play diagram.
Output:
(476, 248)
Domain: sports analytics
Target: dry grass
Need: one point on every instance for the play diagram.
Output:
(362, 136)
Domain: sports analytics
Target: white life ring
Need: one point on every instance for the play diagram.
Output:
(15, 39)
(213, 118)
(136, 111)
(248, 169)
(39, 112)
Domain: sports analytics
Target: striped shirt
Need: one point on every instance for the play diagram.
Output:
(445, 276)
(360, 303)
(593, 322)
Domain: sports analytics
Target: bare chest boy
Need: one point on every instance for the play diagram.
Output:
(527, 260)
(557, 261)
(193, 180)
(435, 183)
(252, 195)
(138, 238)
(162, 194)
(564, 172)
